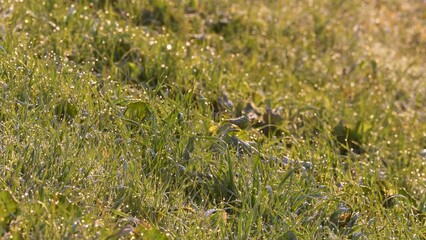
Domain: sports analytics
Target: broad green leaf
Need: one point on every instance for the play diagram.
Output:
(137, 111)
(290, 236)
(146, 231)
(226, 128)
(8, 209)
(66, 110)
(347, 137)
(242, 122)
(405, 193)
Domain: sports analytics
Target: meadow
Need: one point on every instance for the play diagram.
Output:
(225, 119)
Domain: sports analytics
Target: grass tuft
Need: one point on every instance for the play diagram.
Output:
(212, 119)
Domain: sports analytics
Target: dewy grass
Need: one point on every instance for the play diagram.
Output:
(123, 119)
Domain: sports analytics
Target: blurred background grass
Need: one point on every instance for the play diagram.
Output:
(232, 119)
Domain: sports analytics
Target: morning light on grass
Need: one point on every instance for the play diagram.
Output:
(215, 119)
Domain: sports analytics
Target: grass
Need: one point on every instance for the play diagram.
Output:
(212, 119)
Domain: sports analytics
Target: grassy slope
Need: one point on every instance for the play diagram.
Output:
(113, 119)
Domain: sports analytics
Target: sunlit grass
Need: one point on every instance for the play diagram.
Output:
(212, 119)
